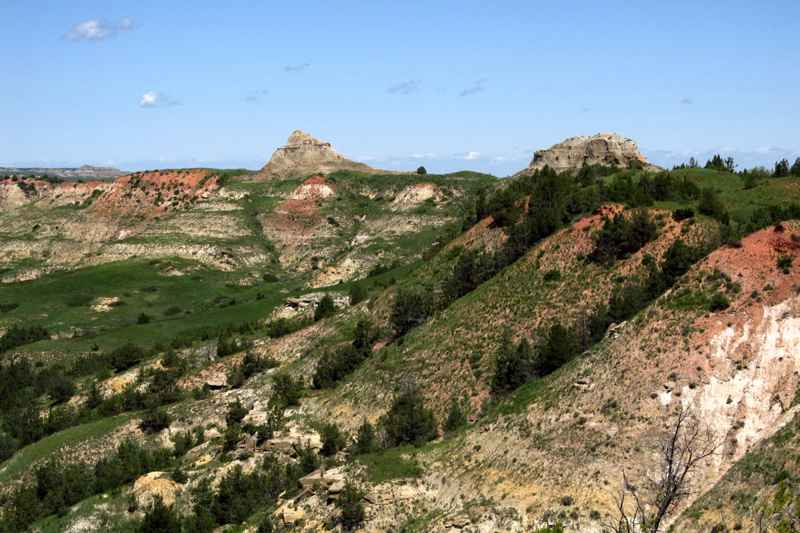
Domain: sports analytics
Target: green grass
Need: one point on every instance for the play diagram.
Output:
(740, 202)
(59, 302)
(395, 463)
(114, 507)
(48, 446)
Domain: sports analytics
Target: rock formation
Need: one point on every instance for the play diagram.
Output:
(608, 149)
(304, 155)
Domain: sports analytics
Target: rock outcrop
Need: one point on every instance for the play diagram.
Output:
(304, 155)
(155, 485)
(607, 149)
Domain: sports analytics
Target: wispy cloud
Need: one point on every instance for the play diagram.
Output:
(478, 87)
(98, 30)
(152, 99)
(296, 68)
(686, 101)
(404, 87)
(126, 24)
(256, 96)
(472, 156)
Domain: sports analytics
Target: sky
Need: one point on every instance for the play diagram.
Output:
(449, 85)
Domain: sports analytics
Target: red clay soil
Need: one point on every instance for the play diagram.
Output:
(754, 263)
(154, 192)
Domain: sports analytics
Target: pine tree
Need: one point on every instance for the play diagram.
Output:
(795, 170)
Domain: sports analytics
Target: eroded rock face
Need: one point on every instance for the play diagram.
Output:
(304, 155)
(607, 149)
(155, 485)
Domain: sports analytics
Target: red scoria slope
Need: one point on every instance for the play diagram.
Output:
(153, 192)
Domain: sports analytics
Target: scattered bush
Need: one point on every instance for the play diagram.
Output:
(17, 336)
(621, 236)
(456, 419)
(333, 439)
(325, 308)
(351, 507)
(560, 345)
(172, 310)
(412, 307)
(781, 168)
(250, 366)
(335, 365)
(288, 390)
(143, 318)
(236, 412)
(358, 293)
(785, 263)
(682, 213)
(513, 365)
(365, 441)
(8, 307)
(8, 446)
(710, 205)
(159, 519)
(125, 357)
(718, 302)
(154, 420)
(552, 275)
(408, 421)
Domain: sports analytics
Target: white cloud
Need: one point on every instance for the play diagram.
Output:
(126, 24)
(472, 156)
(98, 30)
(156, 99)
(89, 30)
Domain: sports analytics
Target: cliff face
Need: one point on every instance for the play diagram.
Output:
(607, 149)
(303, 155)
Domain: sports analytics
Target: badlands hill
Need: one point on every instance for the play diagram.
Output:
(189, 350)
(604, 149)
(304, 155)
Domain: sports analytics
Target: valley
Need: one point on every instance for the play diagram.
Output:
(323, 345)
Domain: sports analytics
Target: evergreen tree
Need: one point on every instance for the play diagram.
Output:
(412, 306)
(333, 439)
(781, 169)
(560, 345)
(456, 419)
(325, 308)
(795, 170)
(159, 519)
(513, 365)
(351, 506)
(408, 421)
(365, 441)
(358, 293)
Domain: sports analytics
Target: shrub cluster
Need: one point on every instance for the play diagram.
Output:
(335, 365)
(17, 336)
(58, 486)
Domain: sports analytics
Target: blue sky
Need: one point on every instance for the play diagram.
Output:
(450, 85)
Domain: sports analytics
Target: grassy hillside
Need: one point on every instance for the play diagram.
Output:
(507, 352)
